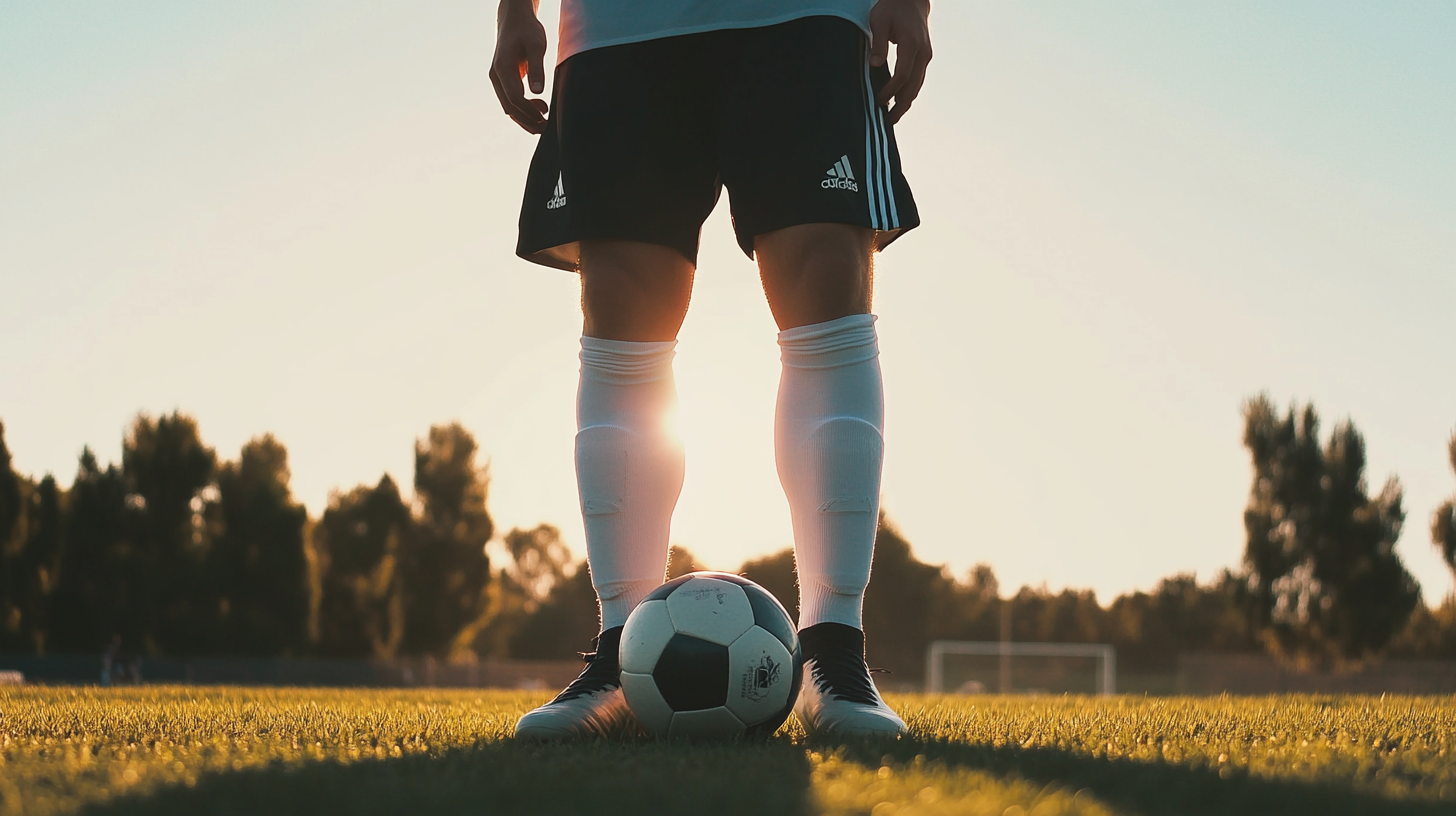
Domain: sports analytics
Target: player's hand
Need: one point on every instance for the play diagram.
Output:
(520, 52)
(906, 23)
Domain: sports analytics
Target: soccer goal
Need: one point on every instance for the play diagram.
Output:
(1008, 667)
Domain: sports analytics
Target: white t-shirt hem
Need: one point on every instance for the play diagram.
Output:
(572, 50)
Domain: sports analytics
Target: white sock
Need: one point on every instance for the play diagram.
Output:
(629, 468)
(829, 444)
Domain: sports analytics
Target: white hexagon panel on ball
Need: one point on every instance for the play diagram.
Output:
(710, 609)
(648, 630)
(761, 674)
(646, 702)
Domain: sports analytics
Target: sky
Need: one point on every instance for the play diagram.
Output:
(299, 218)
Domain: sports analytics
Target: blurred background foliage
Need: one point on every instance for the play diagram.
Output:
(182, 553)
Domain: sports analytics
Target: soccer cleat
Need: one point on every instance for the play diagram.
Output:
(838, 697)
(592, 706)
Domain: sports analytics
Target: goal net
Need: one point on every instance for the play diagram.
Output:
(995, 667)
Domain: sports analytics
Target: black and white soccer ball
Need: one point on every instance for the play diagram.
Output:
(711, 655)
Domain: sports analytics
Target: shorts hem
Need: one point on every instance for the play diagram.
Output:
(566, 256)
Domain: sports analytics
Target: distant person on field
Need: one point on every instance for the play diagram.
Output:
(658, 105)
(118, 667)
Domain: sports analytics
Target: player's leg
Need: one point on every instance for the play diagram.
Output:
(814, 177)
(618, 191)
(629, 460)
(828, 440)
(629, 463)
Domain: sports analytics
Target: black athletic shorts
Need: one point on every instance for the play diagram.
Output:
(641, 137)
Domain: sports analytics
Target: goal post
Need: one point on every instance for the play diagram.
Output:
(1105, 655)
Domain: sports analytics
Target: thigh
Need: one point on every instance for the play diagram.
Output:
(633, 291)
(814, 273)
(628, 154)
(801, 139)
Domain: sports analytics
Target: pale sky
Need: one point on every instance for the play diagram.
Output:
(299, 217)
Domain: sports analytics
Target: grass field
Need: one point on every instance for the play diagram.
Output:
(176, 750)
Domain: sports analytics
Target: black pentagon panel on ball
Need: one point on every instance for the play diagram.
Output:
(771, 616)
(770, 725)
(692, 674)
(666, 589)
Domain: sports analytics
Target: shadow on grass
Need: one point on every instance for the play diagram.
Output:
(611, 777)
(1151, 789)
(509, 777)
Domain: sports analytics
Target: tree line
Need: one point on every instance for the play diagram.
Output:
(181, 552)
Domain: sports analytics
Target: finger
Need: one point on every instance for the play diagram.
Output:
(879, 43)
(915, 80)
(500, 93)
(891, 88)
(537, 123)
(503, 94)
(536, 73)
(528, 116)
(513, 100)
(893, 114)
(904, 62)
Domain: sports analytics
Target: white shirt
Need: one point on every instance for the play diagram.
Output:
(589, 24)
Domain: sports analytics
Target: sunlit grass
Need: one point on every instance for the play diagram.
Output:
(173, 749)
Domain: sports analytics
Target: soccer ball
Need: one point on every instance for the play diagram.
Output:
(711, 656)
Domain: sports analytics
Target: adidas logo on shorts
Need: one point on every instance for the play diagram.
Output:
(840, 177)
(558, 196)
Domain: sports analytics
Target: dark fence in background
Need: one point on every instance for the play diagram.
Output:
(86, 669)
(1260, 674)
(1197, 674)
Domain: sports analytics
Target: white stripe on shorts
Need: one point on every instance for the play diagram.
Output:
(870, 154)
(879, 186)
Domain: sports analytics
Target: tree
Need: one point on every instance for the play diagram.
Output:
(680, 562)
(539, 562)
(1150, 629)
(256, 567)
(357, 545)
(36, 562)
(169, 471)
(445, 568)
(899, 605)
(10, 507)
(93, 593)
(1443, 521)
(563, 624)
(1325, 580)
(11, 543)
(776, 573)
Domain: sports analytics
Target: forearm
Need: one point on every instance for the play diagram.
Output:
(513, 9)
